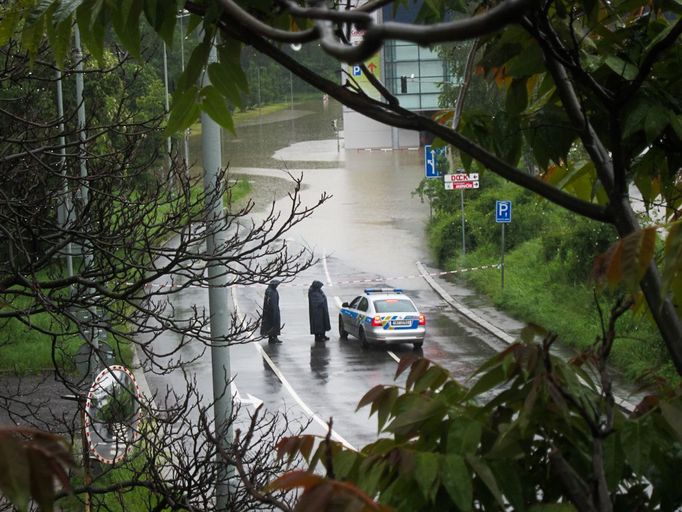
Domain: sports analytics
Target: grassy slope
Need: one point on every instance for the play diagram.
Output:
(535, 293)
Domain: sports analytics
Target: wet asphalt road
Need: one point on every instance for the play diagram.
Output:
(372, 230)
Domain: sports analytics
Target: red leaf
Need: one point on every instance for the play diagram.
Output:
(295, 479)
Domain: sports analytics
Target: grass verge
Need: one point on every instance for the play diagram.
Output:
(26, 349)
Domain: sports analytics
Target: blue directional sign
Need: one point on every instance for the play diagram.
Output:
(357, 71)
(503, 210)
(430, 164)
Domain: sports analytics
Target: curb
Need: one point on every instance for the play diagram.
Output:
(474, 317)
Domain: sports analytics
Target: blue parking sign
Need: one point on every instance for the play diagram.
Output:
(357, 71)
(503, 211)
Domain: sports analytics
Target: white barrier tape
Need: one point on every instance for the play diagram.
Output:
(354, 281)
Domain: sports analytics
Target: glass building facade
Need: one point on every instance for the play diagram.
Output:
(413, 74)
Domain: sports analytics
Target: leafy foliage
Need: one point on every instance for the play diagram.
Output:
(528, 429)
(31, 463)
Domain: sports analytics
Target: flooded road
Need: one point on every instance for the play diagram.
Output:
(370, 233)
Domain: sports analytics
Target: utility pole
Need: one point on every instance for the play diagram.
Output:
(185, 135)
(65, 211)
(167, 105)
(217, 291)
(86, 251)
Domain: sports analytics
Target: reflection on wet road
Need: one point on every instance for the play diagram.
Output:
(371, 230)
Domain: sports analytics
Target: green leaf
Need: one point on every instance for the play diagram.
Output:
(60, 40)
(517, 97)
(614, 461)
(8, 25)
(184, 110)
(344, 463)
(487, 477)
(621, 67)
(637, 440)
(464, 436)
(655, 122)
(196, 63)
(384, 407)
(415, 415)
(492, 378)
(38, 11)
(426, 473)
(214, 105)
(457, 481)
(634, 118)
(370, 396)
(92, 25)
(509, 476)
(126, 22)
(65, 9)
(527, 63)
(222, 80)
(552, 507)
(672, 412)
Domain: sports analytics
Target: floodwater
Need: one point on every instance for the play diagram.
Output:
(370, 232)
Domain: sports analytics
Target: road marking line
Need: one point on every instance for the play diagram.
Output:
(326, 269)
(286, 384)
(395, 357)
(339, 303)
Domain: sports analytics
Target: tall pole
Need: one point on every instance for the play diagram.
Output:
(65, 208)
(291, 87)
(185, 135)
(217, 290)
(167, 104)
(85, 187)
(502, 258)
(78, 57)
(464, 245)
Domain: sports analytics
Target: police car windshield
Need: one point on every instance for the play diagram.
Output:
(393, 306)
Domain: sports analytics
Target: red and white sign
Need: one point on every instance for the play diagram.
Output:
(461, 176)
(459, 185)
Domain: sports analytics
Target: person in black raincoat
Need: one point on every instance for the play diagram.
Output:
(318, 311)
(271, 324)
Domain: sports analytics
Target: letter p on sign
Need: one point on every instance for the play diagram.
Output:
(503, 210)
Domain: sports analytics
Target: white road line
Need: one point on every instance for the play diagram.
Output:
(288, 386)
(395, 357)
(326, 269)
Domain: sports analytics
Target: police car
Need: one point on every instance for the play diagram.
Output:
(382, 315)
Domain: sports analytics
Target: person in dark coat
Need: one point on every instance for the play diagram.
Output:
(271, 323)
(318, 311)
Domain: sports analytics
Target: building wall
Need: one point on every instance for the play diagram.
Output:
(422, 70)
(361, 132)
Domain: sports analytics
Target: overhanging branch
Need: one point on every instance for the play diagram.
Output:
(402, 118)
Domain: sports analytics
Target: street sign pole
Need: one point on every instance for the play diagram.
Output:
(503, 213)
(464, 246)
(502, 259)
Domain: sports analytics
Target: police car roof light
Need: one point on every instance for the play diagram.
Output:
(383, 290)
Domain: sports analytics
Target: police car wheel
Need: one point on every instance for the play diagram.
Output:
(363, 339)
(343, 334)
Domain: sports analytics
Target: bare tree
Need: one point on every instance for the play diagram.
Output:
(133, 235)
